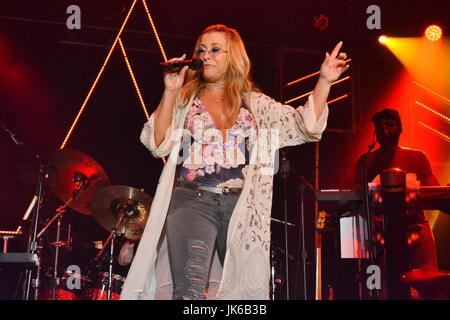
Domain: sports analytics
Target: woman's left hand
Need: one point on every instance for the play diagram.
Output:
(334, 64)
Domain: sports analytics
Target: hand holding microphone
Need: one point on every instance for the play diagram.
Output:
(175, 70)
(176, 65)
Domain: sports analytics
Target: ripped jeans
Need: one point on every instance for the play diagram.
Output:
(197, 223)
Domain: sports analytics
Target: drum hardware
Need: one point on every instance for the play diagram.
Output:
(57, 244)
(73, 177)
(99, 284)
(111, 238)
(123, 210)
(62, 290)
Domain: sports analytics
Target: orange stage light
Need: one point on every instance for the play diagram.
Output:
(133, 78)
(154, 30)
(91, 90)
(307, 76)
(433, 33)
(436, 132)
(308, 93)
(382, 39)
(440, 115)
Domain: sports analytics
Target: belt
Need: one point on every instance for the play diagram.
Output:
(218, 190)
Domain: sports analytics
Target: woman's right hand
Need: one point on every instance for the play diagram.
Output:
(173, 81)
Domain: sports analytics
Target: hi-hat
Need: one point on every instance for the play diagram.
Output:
(73, 174)
(109, 203)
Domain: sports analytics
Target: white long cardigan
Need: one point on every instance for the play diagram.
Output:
(246, 271)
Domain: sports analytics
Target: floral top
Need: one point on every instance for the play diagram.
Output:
(209, 160)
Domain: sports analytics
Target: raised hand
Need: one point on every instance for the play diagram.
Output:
(334, 64)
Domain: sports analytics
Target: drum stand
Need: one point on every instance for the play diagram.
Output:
(82, 183)
(58, 215)
(119, 209)
(111, 238)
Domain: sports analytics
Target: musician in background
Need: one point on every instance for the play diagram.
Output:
(388, 127)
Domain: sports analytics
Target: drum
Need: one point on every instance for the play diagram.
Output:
(65, 289)
(98, 289)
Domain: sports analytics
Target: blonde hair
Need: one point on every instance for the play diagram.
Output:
(238, 82)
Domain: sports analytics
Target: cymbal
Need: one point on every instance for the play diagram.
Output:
(72, 173)
(109, 202)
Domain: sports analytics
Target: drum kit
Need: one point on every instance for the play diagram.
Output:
(81, 183)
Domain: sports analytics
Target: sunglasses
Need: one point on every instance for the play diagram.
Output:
(213, 52)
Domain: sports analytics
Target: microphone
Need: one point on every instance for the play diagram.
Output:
(194, 64)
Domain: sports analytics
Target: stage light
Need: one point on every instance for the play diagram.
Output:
(338, 98)
(154, 30)
(308, 93)
(440, 115)
(433, 33)
(382, 39)
(436, 132)
(91, 90)
(133, 78)
(432, 92)
(321, 22)
(308, 76)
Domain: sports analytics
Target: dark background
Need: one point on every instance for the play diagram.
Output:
(46, 71)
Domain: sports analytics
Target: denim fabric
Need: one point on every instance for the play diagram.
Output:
(197, 224)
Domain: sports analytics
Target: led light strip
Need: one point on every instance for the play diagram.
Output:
(98, 77)
(134, 79)
(308, 93)
(154, 30)
(307, 76)
(302, 78)
(11, 233)
(338, 98)
(434, 111)
(432, 92)
(438, 133)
